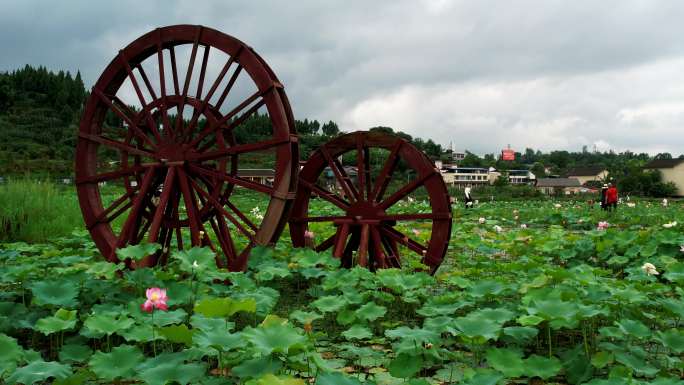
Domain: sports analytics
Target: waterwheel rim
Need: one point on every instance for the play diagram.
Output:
(366, 222)
(178, 175)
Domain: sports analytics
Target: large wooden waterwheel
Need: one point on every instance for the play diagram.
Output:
(158, 156)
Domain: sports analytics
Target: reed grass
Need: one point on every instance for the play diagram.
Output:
(36, 211)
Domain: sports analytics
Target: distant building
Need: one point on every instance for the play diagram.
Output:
(474, 176)
(672, 170)
(557, 186)
(587, 174)
(264, 176)
(465, 176)
(521, 177)
(458, 156)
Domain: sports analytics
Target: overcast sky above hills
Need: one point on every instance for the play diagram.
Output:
(482, 74)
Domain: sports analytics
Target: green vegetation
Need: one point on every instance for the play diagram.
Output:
(34, 211)
(556, 301)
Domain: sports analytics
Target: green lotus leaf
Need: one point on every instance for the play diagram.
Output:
(357, 332)
(171, 372)
(637, 364)
(75, 353)
(277, 338)
(521, 333)
(196, 260)
(106, 270)
(10, 351)
(165, 318)
(257, 367)
(441, 324)
(601, 359)
(108, 323)
(507, 361)
(55, 292)
(330, 303)
(542, 367)
(137, 252)
(223, 307)
(484, 379)
(276, 380)
(220, 339)
(530, 320)
(39, 371)
(675, 272)
(673, 339)
(417, 335)
(177, 333)
(198, 321)
(62, 320)
(405, 365)
(473, 327)
(633, 328)
(304, 317)
(139, 333)
(270, 272)
(119, 363)
(336, 379)
(370, 311)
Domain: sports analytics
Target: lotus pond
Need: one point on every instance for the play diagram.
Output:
(530, 293)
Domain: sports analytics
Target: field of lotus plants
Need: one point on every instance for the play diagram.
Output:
(535, 292)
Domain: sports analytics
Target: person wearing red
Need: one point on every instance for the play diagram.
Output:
(611, 197)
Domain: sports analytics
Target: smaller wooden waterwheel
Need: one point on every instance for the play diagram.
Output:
(370, 226)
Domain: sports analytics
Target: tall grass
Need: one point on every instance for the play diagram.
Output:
(35, 211)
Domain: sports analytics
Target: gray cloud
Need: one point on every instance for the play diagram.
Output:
(543, 74)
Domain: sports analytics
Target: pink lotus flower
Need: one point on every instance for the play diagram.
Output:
(308, 234)
(156, 298)
(416, 232)
(602, 225)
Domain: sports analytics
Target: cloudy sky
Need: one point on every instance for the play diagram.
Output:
(482, 74)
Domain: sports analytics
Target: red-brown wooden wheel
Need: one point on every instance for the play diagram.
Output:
(367, 221)
(162, 125)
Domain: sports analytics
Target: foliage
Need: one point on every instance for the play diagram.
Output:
(558, 301)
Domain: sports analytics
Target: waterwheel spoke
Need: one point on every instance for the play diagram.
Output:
(127, 119)
(223, 240)
(103, 216)
(363, 245)
(146, 80)
(318, 219)
(162, 86)
(383, 179)
(231, 81)
(212, 127)
(174, 71)
(190, 207)
(367, 173)
(325, 194)
(125, 147)
(231, 179)
(341, 176)
(239, 149)
(405, 191)
(361, 170)
(169, 183)
(416, 216)
(141, 98)
(210, 94)
(377, 247)
(134, 214)
(341, 240)
(325, 245)
(186, 85)
(217, 205)
(402, 238)
(107, 176)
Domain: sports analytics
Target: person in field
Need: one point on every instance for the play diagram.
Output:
(611, 197)
(604, 190)
(468, 198)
